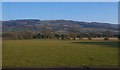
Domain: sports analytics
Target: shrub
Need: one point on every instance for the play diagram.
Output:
(106, 38)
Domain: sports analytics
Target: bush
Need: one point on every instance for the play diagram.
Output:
(119, 37)
(106, 38)
(89, 38)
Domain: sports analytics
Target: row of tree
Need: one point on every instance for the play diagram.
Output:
(55, 35)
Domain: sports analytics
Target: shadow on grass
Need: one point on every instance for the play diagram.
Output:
(108, 44)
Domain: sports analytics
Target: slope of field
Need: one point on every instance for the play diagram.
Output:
(0, 53)
(59, 53)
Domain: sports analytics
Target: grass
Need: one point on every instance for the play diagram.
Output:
(59, 53)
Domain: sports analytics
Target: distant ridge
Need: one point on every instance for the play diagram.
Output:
(57, 25)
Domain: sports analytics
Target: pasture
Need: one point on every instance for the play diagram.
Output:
(59, 53)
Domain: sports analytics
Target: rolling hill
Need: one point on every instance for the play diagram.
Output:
(57, 26)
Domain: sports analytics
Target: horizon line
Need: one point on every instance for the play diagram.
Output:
(56, 19)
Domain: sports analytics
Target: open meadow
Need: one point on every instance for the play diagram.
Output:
(59, 53)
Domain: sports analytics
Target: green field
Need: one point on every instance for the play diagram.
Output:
(59, 53)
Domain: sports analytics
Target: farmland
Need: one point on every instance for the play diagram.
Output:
(59, 53)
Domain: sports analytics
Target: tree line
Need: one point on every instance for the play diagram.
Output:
(54, 35)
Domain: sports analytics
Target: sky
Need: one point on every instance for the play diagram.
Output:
(106, 12)
(0, 10)
(60, 0)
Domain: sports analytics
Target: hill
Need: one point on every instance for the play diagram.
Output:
(57, 26)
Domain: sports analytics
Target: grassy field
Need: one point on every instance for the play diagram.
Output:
(59, 53)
